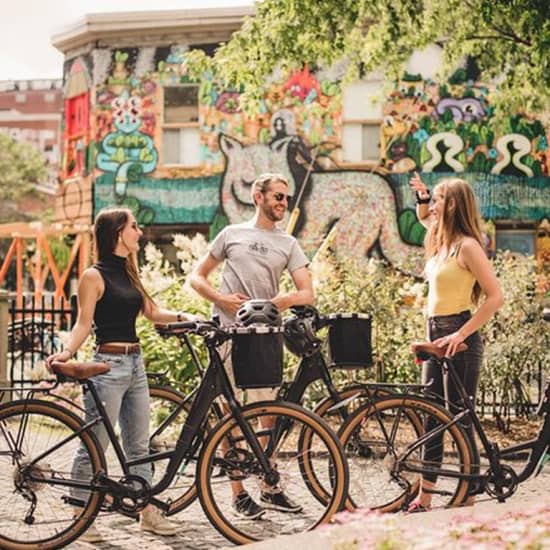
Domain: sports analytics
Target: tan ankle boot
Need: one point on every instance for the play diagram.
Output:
(153, 521)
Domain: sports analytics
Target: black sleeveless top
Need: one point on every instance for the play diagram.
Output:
(116, 311)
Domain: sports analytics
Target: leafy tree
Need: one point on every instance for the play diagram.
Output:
(21, 165)
(510, 40)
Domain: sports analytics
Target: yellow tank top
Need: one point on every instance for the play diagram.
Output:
(449, 286)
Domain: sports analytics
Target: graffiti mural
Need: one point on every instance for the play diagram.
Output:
(359, 205)
(448, 127)
(119, 125)
(127, 152)
(166, 201)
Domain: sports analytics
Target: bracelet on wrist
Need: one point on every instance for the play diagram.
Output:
(71, 352)
(425, 200)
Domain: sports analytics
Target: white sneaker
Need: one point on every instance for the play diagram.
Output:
(153, 521)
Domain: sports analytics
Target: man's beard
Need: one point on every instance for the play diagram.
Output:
(271, 214)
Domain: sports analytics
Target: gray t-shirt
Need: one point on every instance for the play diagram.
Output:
(254, 260)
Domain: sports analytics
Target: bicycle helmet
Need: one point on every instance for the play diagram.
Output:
(300, 337)
(259, 312)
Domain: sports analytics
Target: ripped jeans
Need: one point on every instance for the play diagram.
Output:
(467, 366)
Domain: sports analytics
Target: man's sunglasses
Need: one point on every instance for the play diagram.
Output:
(281, 196)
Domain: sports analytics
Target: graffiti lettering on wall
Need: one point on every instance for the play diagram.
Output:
(449, 127)
(360, 205)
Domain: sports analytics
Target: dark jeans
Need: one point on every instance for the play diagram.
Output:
(467, 366)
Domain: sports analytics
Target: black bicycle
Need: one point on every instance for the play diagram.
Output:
(412, 437)
(349, 336)
(38, 438)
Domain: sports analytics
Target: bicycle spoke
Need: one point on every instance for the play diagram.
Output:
(34, 510)
(244, 472)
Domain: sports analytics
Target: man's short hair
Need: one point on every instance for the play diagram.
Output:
(261, 183)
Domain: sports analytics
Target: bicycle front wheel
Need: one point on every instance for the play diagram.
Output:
(38, 508)
(277, 425)
(388, 476)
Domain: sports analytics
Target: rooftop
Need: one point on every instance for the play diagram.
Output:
(191, 25)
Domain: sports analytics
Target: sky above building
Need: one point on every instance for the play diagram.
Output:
(27, 26)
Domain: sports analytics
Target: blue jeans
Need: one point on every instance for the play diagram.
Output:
(124, 393)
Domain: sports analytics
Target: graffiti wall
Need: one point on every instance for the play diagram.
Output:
(135, 128)
(450, 128)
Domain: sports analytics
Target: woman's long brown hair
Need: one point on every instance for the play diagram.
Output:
(108, 225)
(460, 218)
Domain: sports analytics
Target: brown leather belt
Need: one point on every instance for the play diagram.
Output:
(122, 349)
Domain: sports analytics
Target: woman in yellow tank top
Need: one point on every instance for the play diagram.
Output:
(458, 273)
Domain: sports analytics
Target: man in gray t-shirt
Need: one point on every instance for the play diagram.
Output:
(255, 259)
(255, 254)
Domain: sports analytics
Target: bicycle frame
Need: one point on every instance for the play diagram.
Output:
(213, 384)
(538, 446)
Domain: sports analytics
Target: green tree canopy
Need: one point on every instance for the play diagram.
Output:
(509, 39)
(21, 165)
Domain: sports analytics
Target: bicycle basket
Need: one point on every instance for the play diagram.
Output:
(349, 337)
(257, 356)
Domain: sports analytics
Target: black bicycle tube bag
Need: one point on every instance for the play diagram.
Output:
(257, 356)
(350, 342)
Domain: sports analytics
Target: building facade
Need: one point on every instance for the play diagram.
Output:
(139, 131)
(31, 111)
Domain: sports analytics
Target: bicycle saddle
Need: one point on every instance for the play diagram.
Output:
(80, 371)
(428, 350)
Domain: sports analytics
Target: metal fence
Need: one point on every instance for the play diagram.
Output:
(33, 333)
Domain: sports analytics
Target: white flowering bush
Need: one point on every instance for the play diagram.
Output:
(170, 289)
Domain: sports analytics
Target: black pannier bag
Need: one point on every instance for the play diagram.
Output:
(349, 337)
(257, 356)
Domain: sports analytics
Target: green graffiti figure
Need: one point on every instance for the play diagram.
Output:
(127, 152)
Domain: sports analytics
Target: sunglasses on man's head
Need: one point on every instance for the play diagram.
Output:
(281, 196)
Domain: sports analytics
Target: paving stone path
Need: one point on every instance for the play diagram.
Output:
(196, 533)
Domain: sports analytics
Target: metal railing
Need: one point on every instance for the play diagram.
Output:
(33, 333)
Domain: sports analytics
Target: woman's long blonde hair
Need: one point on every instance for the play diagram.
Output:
(460, 218)
(108, 225)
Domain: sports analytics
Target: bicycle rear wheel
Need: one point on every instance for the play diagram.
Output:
(38, 441)
(388, 477)
(169, 412)
(278, 426)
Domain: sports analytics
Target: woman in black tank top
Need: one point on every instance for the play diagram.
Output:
(110, 297)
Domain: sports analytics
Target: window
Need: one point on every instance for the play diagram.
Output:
(361, 121)
(20, 98)
(49, 97)
(181, 104)
(361, 141)
(521, 241)
(181, 138)
(371, 141)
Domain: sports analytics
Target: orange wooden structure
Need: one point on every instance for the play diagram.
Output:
(20, 232)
